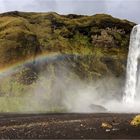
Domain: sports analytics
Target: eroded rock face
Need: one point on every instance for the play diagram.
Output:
(86, 68)
(101, 42)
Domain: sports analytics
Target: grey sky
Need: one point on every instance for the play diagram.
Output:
(127, 9)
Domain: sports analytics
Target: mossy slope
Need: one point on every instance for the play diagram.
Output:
(103, 38)
(88, 48)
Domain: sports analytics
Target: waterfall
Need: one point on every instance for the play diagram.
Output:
(132, 66)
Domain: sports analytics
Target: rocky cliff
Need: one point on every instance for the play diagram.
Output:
(98, 44)
(64, 60)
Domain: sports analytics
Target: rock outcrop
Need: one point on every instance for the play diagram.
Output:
(100, 41)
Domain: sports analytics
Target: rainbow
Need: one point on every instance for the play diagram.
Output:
(19, 65)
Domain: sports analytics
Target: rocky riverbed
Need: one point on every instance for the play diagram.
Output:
(64, 126)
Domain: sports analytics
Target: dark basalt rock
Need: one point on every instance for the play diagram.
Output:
(98, 108)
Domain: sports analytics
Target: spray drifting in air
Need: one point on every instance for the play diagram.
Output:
(55, 91)
(132, 66)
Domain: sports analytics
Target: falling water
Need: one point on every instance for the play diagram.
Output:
(132, 66)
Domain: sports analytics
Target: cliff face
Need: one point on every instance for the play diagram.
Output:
(100, 41)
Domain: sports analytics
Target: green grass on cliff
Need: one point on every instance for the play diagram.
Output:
(100, 40)
(98, 45)
(26, 34)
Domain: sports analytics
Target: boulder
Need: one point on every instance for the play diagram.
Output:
(97, 108)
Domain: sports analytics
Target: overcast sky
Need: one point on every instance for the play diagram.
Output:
(127, 9)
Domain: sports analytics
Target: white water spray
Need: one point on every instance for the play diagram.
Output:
(132, 66)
